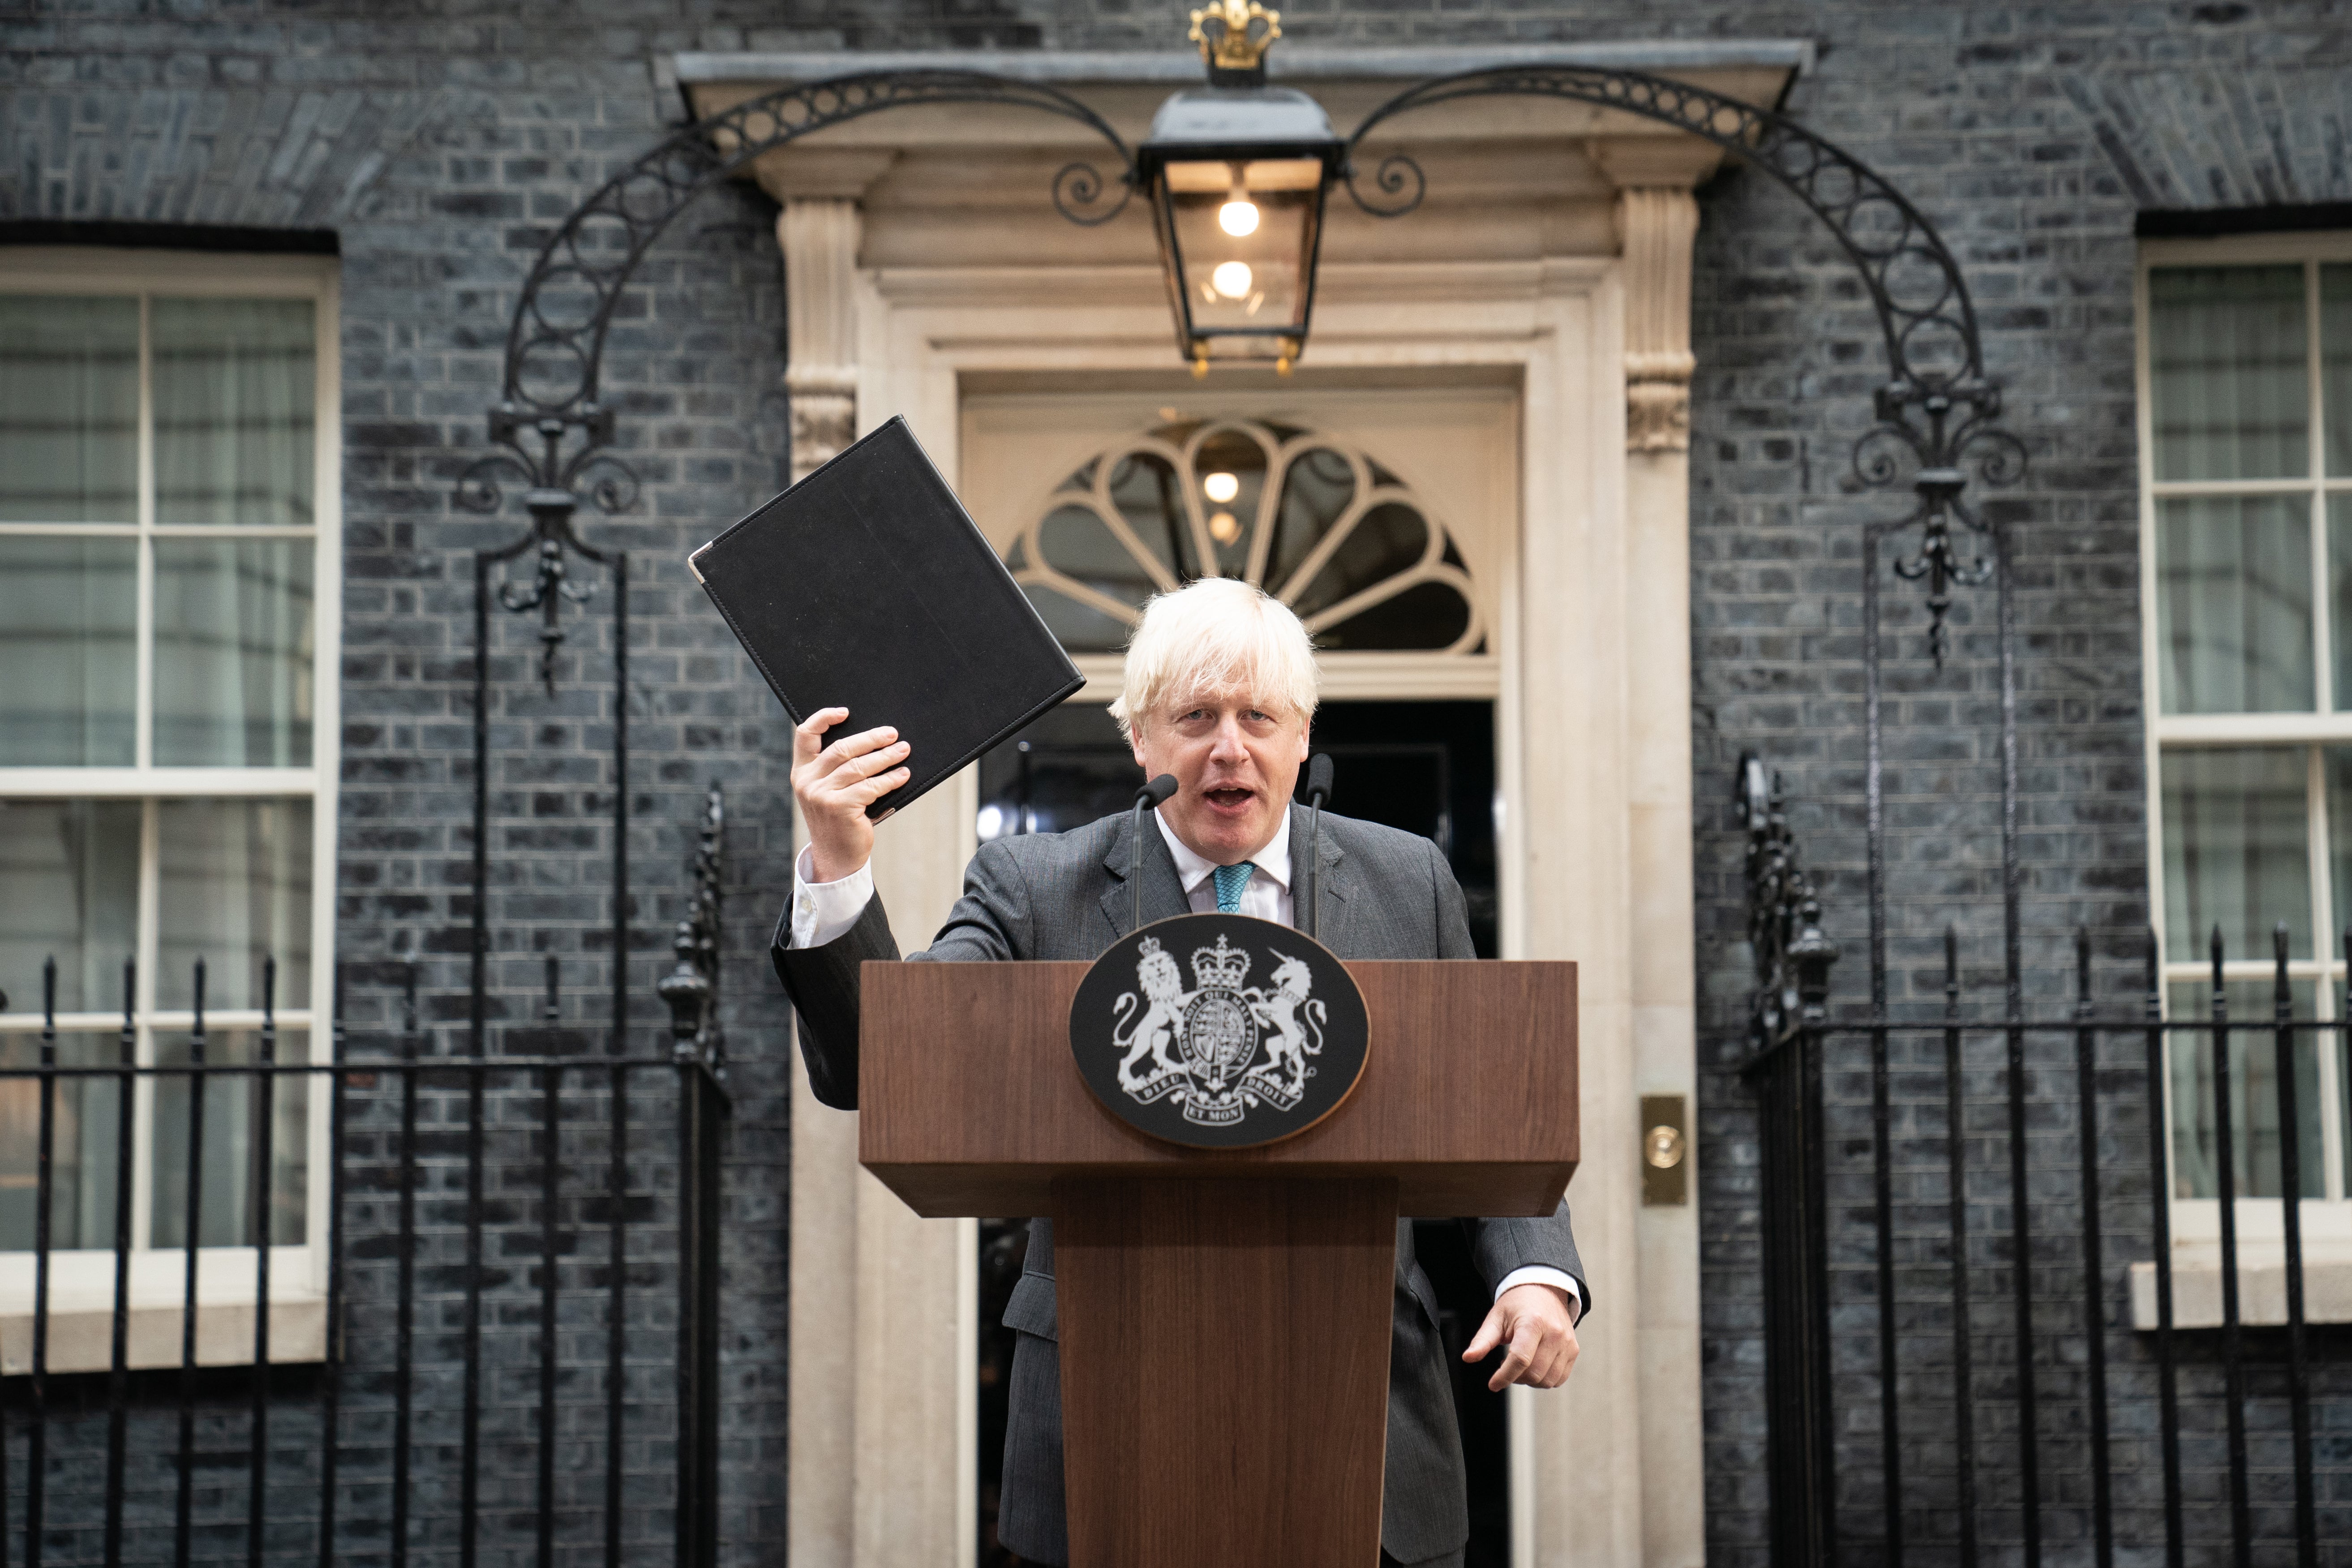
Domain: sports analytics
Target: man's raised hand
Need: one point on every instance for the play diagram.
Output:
(835, 783)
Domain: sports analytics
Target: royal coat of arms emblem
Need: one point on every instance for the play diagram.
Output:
(1212, 1058)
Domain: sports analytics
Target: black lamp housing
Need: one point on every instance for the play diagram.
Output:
(1236, 172)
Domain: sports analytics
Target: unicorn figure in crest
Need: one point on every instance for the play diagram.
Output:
(1294, 1022)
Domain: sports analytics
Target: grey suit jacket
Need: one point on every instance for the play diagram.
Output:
(1385, 894)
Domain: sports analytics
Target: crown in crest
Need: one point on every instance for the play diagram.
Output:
(1219, 968)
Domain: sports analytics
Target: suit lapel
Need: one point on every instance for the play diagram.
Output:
(1338, 888)
(1164, 894)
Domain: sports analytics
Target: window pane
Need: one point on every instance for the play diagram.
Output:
(2233, 605)
(1316, 494)
(2227, 362)
(1390, 539)
(233, 409)
(231, 1197)
(2254, 1094)
(69, 647)
(2337, 761)
(84, 1123)
(2236, 832)
(69, 409)
(1425, 615)
(2335, 364)
(68, 890)
(234, 887)
(233, 652)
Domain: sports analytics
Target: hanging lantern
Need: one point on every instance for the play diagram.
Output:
(1236, 172)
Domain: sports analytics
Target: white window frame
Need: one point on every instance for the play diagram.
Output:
(82, 1280)
(2327, 1221)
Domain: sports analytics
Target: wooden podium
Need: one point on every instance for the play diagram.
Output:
(1224, 1314)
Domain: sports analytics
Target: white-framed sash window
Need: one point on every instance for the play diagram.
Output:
(2245, 425)
(170, 572)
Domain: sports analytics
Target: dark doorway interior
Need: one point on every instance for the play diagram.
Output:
(1424, 767)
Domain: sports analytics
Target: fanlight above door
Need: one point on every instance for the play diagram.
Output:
(1311, 519)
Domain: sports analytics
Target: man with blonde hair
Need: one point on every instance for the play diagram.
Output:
(1220, 689)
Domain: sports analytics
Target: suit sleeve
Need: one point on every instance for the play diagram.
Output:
(990, 921)
(1498, 1247)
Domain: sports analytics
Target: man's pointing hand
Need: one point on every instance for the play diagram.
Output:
(1533, 1322)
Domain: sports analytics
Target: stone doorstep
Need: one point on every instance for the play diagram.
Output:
(81, 1335)
(2262, 1285)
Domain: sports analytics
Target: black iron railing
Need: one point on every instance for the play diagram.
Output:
(1974, 1341)
(503, 1370)
(506, 1303)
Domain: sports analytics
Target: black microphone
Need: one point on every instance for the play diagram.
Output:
(1319, 790)
(1148, 798)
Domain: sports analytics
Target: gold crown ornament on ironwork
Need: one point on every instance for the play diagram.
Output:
(1222, 31)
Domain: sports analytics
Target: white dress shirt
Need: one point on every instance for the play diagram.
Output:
(822, 912)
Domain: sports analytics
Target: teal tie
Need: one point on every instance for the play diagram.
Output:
(1231, 880)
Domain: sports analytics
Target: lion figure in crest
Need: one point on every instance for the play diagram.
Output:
(1154, 1032)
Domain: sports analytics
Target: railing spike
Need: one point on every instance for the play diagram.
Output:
(2083, 965)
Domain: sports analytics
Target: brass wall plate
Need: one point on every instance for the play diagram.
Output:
(1665, 1148)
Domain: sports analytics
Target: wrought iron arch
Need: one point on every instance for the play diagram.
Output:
(1938, 405)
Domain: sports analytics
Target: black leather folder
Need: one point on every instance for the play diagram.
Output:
(867, 586)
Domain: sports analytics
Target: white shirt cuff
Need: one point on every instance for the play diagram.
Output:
(824, 911)
(1537, 1274)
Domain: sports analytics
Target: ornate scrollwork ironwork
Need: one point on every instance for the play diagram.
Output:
(1784, 919)
(1397, 172)
(553, 475)
(1079, 185)
(691, 990)
(1938, 456)
(1937, 405)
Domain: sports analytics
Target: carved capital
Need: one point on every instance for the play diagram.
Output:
(822, 424)
(819, 238)
(1657, 415)
(1656, 226)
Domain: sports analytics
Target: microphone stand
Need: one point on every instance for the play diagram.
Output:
(1147, 798)
(1319, 790)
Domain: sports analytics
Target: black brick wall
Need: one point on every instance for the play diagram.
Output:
(440, 140)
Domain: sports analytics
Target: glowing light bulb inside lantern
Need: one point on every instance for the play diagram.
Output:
(1232, 279)
(1224, 528)
(1238, 218)
(1221, 487)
